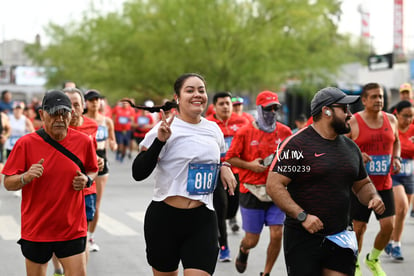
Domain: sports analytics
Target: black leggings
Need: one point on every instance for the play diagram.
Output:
(226, 207)
(187, 235)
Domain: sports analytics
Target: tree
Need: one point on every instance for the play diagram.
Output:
(245, 45)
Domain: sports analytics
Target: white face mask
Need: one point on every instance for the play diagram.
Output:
(266, 120)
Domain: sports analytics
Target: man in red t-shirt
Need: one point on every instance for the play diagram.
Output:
(226, 206)
(122, 115)
(376, 134)
(252, 151)
(53, 204)
(143, 122)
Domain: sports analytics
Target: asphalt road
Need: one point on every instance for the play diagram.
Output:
(120, 235)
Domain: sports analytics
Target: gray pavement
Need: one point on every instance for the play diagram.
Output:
(120, 235)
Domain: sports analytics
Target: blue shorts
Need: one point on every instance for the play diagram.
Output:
(90, 206)
(123, 137)
(254, 219)
(406, 181)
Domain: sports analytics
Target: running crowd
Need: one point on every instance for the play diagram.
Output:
(210, 163)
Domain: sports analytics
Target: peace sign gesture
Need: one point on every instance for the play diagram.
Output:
(164, 131)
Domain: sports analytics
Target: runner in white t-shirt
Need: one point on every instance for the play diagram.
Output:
(185, 151)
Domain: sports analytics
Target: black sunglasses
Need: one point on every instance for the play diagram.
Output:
(274, 107)
(345, 107)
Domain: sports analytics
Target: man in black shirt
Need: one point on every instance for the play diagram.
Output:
(313, 175)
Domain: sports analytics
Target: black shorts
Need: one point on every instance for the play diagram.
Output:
(308, 255)
(173, 234)
(41, 252)
(102, 154)
(361, 212)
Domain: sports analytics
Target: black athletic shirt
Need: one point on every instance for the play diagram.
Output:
(322, 173)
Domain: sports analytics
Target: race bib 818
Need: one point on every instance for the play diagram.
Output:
(202, 178)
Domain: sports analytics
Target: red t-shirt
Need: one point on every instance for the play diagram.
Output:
(377, 143)
(250, 143)
(144, 121)
(407, 146)
(229, 127)
(248, 117)
(51, 210)
(89, 127)
(123, 117)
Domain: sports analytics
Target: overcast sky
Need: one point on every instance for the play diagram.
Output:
(23, 19)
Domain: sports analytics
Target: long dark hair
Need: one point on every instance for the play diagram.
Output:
(169, 104)
(156, 108)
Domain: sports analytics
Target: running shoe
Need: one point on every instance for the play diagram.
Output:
(224, 255)
(241, 261)
(357, 271)
(233, 225)
(388, 249)
(375, 267)
(396, 254)
(93, 247)
(267, 274)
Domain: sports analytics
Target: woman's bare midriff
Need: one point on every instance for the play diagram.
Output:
(182, 202)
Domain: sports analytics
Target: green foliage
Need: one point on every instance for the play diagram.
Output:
(237, 45)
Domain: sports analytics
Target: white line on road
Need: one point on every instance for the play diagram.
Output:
(139, 216)
(9, 228)
(114, 227)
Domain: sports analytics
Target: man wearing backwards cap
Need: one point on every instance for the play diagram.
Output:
(376, 134)
(306, 182)
(52, 189)
(238, 108)
(252, 150)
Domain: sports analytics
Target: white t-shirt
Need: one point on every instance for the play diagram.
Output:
(18, 129)
(199, 143)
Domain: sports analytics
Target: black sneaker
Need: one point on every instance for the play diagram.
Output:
(233, 225)
(267, 274)
(241, 261)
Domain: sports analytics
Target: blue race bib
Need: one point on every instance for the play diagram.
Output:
(102, 133)
(123, 120)
(143, 120)
(345, 239)
(406, 167)
(202, 178)
(380, 165)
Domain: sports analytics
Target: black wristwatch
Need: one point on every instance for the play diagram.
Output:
(302, 216)
(90, 181)
(398, 158)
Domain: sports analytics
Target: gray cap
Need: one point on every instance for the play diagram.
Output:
(56, 100)
(328, 96)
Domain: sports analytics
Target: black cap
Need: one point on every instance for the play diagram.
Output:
(328, 96)
(55, 100)
(92, 94)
